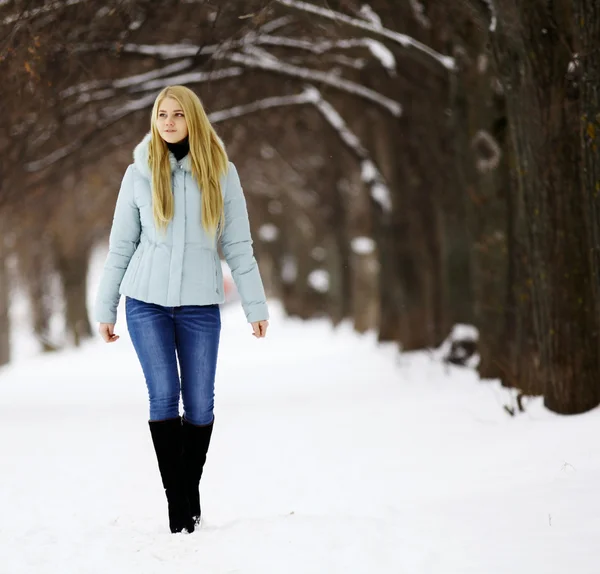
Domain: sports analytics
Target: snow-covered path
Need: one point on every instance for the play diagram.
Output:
(329, 455)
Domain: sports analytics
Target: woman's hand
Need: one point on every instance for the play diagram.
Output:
(260, 329)
(107, 331)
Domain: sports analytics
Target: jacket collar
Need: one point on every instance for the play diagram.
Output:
(140, 158)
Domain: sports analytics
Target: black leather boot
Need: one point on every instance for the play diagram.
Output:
(168, 445)
(196, 440)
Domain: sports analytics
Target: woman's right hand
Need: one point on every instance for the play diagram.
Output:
(107, 331)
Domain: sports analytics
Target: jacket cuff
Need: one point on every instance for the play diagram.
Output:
(105, 316)
(258, 312)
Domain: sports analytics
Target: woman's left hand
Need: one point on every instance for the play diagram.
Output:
(260, 329)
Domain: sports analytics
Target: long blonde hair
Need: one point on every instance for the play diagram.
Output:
(207, 157)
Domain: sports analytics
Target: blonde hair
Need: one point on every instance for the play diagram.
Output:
(207, 157)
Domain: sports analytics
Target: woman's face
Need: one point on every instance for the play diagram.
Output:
(171, 122)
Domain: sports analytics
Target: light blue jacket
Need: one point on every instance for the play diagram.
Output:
(181, 266)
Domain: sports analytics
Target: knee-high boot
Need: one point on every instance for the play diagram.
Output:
(167, 437)
(196, 440)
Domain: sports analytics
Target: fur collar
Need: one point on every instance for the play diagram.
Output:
(140, 158)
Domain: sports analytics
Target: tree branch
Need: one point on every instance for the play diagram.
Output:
(327, 78)
(370, 173)
(260, 105)
(315, 46)
(29, 14)
(128, 81)
(402, 39)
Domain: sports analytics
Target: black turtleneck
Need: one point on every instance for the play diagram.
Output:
(179, 149)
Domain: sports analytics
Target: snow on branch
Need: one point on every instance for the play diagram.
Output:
(370, 15)
(419, 12)
(402, 39)
(29, 14)
(116, 112)
(190, 78)
(162, 51)
(276, 24)
(271, 64)
(53, 157)
(493, 14)
(176, 51)
(128, 81)
(377, 49)
(166, 51)
(259, 105)
(371, 176)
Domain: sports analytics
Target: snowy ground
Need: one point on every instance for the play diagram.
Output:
(329, 455)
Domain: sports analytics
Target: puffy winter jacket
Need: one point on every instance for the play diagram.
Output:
(181, 266)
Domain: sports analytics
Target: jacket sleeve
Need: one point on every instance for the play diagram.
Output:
(236, 243)
(123, 241)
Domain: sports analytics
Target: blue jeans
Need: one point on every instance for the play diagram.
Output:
(161, 336)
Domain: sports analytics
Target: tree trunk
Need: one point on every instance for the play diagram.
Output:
(531, 50)
(73, 270)
(586, 15)
(40, 299)
(338, 244)
(482, 168)
(4, 305)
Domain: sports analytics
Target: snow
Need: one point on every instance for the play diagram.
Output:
(419, 12)
(165, 51)
(362, 245)
(330, 454)
(136, 24)
(276, 24)
(368, 171)
(258, 105)
(573, 64)
(129, 81)
(447, 62)
(318, 253)
(379, 191)
(370, 15)
(28, 14)
(382, 53)
(318, 279)
(289, 269)
(255, 58)
(103, 12)
(268, 232)
(493, 15)
(377, 49)
(462, 332)
(381, 194)
(192, 78)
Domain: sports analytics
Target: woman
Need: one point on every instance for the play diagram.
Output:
(178, 200)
